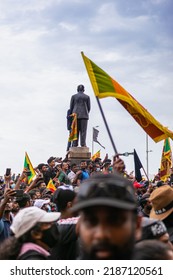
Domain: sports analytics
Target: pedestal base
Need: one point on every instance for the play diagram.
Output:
(76, 154)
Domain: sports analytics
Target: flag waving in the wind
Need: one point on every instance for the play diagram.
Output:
(166, 160)
(95, 135)
(104, 86)
(138, 166)
(51, 186)
(28, 167)
(96, 155)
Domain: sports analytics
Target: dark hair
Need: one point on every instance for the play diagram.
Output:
(73, 165)
(23, 200)
(32, 193)
(62, 197)
(80, 88)
(39, 182)
(10, 248)
(151, 250)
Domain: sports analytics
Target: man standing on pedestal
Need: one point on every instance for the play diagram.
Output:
(80, 104)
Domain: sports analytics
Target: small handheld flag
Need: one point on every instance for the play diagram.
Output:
(28, 167)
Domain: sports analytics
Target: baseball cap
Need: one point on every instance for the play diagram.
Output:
(28, 217)
(162, 202)
(40, 202)
(111, 190)
(152, 228)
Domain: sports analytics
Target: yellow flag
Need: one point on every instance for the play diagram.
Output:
(166, 160)
(28, 167)
(73, 133)
(104, 86)
(51, 186)
(96, 155)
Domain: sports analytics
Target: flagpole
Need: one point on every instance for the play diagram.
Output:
(93, 143)
(107, 127)
(147, 152)
(145, 173)
(147, 158)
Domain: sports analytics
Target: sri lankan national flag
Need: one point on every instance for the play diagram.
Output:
(104, 86)
(96, 155)
(166, 160)
(73, 132)
(51, 186)
(28, 167)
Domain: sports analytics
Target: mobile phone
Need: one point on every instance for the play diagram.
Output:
(8, 171)
(19, 193)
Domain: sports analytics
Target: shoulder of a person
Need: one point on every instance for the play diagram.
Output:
(32, 255)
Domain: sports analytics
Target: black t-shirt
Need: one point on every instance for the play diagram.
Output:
(67, 247)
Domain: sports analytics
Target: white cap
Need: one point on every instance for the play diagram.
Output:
(28, 217)
(40, 202)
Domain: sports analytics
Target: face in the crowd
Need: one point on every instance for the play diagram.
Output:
(15, 207)
(43, 185)
(108, 233)
(165, 239)
(38, 194)
(44, 168)
(46, 207)
(97, 167)
(75, 168)
(148, 205)
(65, 166)
(83, 165)
(52, 163)
(47, 235)
(8, 207)
(90, 165)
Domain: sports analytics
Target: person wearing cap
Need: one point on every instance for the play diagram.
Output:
(80, 104)
(67, 247)
(51, 169)
(35, 233)
(162, 207)
(108, 225)
(43, 204)
(155, 229)
(145, 204)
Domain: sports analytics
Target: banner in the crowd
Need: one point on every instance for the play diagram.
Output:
(104, 86)
(29, 168)
(166, 160)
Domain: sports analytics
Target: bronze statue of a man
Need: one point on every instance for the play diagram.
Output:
(80, 104)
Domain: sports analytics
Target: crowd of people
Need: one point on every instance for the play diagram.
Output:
(97, 210)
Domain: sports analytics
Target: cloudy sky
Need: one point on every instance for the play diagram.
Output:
(41, 66)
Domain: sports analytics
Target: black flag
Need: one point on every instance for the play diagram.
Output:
(95, 135)
(138, 166)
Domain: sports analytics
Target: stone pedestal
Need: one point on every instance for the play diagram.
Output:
(76, 154)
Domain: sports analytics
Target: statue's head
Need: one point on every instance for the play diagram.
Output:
(80, 88)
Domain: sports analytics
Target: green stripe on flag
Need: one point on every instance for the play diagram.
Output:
(104, 81)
